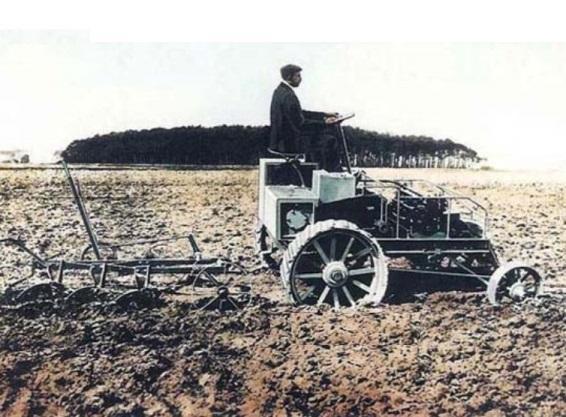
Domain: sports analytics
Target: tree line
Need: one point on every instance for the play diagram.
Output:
(244, 145)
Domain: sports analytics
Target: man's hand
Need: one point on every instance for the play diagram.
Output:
(331, 118)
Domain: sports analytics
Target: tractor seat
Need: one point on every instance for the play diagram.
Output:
(289, 156)
(292, 160)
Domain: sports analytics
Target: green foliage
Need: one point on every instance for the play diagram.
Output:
(240, 145)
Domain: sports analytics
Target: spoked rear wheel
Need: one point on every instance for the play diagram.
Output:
(515, 282)
(334, 262)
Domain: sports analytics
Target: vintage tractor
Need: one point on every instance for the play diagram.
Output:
(337, 237)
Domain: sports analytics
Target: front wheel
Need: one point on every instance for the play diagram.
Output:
(513, 281)
(334, 262)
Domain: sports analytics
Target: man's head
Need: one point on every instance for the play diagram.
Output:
(292, 74)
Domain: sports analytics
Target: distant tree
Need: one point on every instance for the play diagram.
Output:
(244, 145)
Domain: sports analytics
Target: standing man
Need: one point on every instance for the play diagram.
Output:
(294, 130)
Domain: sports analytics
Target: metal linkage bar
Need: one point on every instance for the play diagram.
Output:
(83, 212)
(344, 146)
(482, 278)
(21, 245)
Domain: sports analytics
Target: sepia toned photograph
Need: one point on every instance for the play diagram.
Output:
(281, 228)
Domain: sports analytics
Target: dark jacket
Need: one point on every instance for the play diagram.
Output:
(289, 121)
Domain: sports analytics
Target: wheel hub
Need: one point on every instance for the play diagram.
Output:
(335, 274)
(222, 291)
(517, 291)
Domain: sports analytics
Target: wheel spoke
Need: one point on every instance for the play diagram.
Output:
(348, 295)
(211, 278)
(333, 248)
(323, 295)
(529, 290)
(525, 277)
(210, 303)
(363, 252)
(531, 287)
(321, 252)
(361, 285)
(532, 291)
(309, 275)
(347, 249)
(308, 293)
(336, 299)
(362, 271)
(231, 301)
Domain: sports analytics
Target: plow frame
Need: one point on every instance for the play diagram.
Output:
(143, 269)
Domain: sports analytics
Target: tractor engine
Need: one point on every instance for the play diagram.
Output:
(286, 209)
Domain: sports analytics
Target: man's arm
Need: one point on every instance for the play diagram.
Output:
(302, 119)
(314, 115)
(325, 118)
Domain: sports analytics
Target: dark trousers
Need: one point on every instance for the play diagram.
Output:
(323, 149)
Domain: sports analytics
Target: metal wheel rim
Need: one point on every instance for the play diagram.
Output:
(361, 257)
(42, 291)
(87, 295)
(135, 299)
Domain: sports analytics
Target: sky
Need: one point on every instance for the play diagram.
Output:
(505, 100)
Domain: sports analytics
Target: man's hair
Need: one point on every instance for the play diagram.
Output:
(288, 70)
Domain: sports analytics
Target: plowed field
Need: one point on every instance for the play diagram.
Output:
(440, 354)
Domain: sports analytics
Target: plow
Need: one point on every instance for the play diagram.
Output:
(101, 275)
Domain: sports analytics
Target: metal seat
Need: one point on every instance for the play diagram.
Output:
(293, 160)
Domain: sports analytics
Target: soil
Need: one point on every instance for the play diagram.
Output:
(437, 354)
